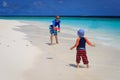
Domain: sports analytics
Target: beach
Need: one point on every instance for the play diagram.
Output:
(25, 54)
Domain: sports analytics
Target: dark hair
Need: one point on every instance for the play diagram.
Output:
(57, 17)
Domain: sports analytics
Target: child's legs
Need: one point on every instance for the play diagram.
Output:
(84, 58)
(78, 58)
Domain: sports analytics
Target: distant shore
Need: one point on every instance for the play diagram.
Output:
(60, 15)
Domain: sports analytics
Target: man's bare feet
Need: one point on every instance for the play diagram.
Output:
(51, 43)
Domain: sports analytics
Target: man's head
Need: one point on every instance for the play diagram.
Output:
(57, 17)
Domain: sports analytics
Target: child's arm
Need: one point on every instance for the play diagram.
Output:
(76, 44)
(89, 43)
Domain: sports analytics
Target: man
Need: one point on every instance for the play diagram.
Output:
(54, 29)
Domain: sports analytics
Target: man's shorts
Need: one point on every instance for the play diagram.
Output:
(52, 31)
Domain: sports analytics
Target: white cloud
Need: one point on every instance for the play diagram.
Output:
(4, 4)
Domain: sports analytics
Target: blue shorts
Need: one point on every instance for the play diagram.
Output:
(52, 31)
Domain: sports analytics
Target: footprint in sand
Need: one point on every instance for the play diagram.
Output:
(27, 45)
(49, 58)
(8, 45)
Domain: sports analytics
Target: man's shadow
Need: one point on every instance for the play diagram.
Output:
(50, 44)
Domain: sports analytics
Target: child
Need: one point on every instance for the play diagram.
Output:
(80, 46)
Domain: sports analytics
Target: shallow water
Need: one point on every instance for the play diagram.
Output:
(104, 31)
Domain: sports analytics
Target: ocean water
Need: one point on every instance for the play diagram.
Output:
(104, 31)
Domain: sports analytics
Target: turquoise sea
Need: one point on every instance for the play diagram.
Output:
(105, 31)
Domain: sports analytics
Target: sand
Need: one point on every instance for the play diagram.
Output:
(25, 54)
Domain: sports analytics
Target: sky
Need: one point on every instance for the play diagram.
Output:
(60, 7)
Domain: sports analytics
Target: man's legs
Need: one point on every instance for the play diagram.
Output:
(56, 39)
(51, 39)
(53, 33)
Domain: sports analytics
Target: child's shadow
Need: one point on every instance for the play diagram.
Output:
(73, 65)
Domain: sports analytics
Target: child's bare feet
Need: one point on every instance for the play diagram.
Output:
(77, 66)
(87, 65)
(57, 43)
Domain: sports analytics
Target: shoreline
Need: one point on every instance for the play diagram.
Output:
(36, 59)
(71, 31)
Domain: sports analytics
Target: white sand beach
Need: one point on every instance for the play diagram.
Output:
(25, 54)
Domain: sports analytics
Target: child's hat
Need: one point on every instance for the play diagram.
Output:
(80, 32)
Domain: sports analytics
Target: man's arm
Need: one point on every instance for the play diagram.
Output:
(59, 26)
